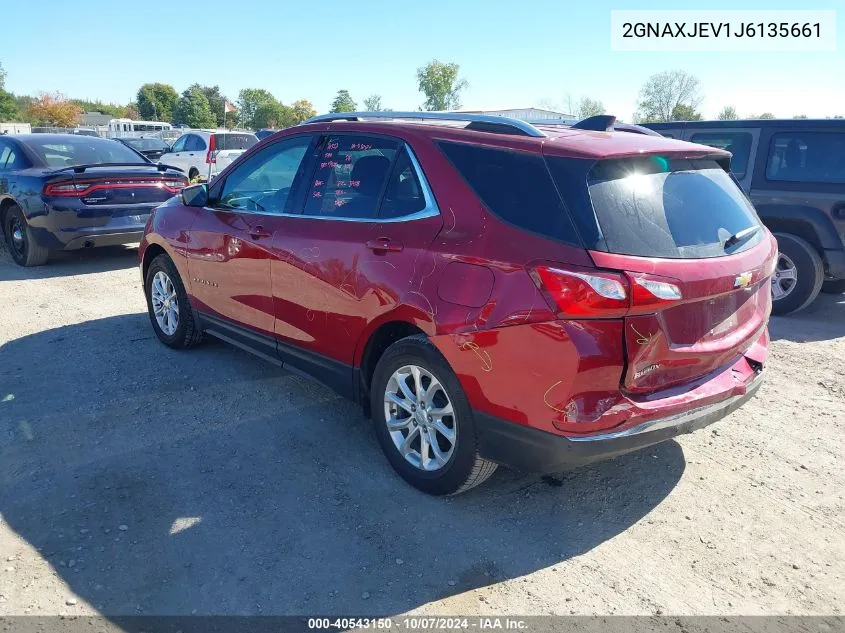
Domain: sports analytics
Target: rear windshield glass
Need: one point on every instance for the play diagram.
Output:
(234, 141)
(676, 208)
(145, 144)
(82, 150)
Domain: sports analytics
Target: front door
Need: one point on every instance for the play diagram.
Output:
(230, 243)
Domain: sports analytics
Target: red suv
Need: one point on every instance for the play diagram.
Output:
(491, 292)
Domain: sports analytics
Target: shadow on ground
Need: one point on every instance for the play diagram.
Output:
(822, 320)
(163, 482)
(63, 264)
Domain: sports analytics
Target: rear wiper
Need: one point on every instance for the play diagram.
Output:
(737, 237)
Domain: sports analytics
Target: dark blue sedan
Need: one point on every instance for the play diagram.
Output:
(64, 192)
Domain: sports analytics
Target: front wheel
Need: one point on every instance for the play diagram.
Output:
(167, 304)
(423, 420)
(798, 275)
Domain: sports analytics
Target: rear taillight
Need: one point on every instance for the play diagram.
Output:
(211, 156)
(175, 186)
(66, 189)
(603, 294)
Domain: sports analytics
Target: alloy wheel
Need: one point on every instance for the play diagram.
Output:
(420, 418)
(17, 234)
(785, 277)
(165, 303)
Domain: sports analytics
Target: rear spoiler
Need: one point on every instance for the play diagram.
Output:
(79, 169)
(607, 123)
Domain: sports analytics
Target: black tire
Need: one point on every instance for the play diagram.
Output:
(833, 286)
(25, 251)
(465, 468)
(809, 271)
(187, 332)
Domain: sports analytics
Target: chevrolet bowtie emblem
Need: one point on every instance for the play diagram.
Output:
(743, 280)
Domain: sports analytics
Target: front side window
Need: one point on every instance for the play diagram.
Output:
(350, 176)
(737, 143)
(807, 157)
(263, 182)
(179, 145)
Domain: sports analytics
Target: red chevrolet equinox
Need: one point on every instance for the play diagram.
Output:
(490, 291)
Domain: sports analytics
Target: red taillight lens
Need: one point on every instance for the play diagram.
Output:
(211, 156)
(65, 189)
(584, 294)
(648, 291)
(604, 294)
(175, 185)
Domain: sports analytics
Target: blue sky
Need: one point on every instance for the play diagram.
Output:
(514, 54)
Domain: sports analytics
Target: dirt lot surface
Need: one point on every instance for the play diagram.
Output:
(139, 480)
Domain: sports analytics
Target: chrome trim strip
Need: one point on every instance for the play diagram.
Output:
(672, 420)
(518, 126)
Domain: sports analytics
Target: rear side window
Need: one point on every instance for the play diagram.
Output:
(404, 194)
(807, 157)
(516, 186)
(350, 176)
(234, 141)
(737, 143)
(674, 208)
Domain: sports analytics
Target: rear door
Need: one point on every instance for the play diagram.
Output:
(367, 218)
(695, 256)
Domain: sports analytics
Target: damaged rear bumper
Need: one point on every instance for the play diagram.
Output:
(525, 448)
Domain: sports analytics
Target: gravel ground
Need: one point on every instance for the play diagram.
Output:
(139, 480)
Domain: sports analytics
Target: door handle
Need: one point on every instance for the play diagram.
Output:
(384, 245)
(257, 232)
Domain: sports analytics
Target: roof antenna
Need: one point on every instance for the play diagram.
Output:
(598, 123)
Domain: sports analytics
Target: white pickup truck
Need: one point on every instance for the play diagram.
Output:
(204, 154)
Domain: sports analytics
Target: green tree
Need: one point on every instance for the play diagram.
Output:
(249, 100)
(8, 107)
(373, 103)
(192, 110)
(2, 78)
(684, 112)
(156, 102)
(664, 92)
(588, 107)
(440, 84)
(343, 102)
(728, 113)
(216, 101)
(302, 109)
(800, 116)
(765, 115)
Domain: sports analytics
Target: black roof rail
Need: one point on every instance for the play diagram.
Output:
(479, 122)
(636, 129)
(598, 123)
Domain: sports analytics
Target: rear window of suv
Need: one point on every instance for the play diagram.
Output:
(234, 141)
(661, 207)
(516, 186)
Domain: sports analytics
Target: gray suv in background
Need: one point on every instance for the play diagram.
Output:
(794, 172)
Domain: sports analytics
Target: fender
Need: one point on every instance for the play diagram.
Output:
(820, 223)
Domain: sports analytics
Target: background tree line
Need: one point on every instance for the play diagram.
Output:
(672, 95)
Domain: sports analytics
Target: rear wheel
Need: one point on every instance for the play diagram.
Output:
(167, 304)
(798, 275)
(423, 420)
(833, 286)
(23, 247)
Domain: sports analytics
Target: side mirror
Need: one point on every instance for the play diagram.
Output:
(195, 195)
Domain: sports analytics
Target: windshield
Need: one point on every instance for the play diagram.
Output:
(676, 208)
(145, 144)
(234, 141)
(66, 152)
